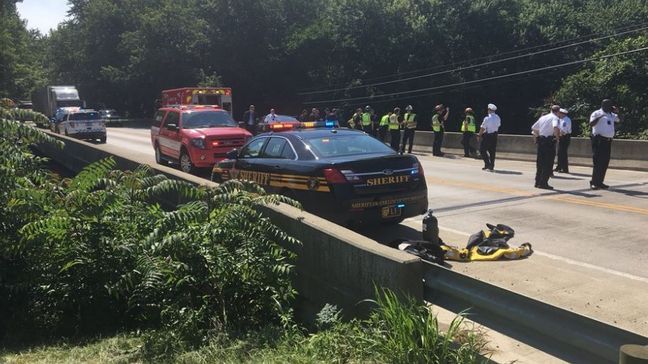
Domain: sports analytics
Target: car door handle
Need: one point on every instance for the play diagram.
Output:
(277, 167)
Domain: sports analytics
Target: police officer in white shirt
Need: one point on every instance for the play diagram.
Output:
(488, 135)
(545, 133)
(562, 164)
(270, 118)
(602, 122)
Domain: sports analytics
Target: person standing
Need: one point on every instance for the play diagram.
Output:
(384, 126)
(314, 115)
(367, 124)
(565, 126)
(468, 128)
(356, 120)
(303, 116)
(270, 118)
(251, 120)
(394, 129)
(409, 123)
(602, 122)
(545, 133)
(438, 127)
(488, 135)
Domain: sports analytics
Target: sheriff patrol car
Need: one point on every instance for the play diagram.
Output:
(343, 175)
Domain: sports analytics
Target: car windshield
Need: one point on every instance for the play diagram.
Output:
(207, 119)
(84, 116)
(345, 145)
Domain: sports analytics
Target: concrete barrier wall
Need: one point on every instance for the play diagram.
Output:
(626, 154)
(335, 265)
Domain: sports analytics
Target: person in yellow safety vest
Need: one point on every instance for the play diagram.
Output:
(438, 127)
(409, 123)
(468, 128)
(355, 121)
(367, 123)
(394, 129)
(384, 126)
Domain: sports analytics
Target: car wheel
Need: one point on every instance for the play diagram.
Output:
(66, 133)
(185, 162)
(102, 140)
(158, 155)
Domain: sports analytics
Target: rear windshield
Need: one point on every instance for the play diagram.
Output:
(207, 119)
(85, 116)
(345, 145)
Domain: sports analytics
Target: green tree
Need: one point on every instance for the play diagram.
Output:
(622, 79)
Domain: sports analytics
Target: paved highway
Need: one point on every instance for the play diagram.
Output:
(591, 247)
(606, 229)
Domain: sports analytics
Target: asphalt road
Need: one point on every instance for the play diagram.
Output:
(601, 230)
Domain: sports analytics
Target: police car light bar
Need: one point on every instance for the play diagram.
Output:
(280, 126)
(320, 124)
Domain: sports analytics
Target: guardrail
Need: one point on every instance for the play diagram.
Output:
(562, 333)
(339, 266)
(626, 154)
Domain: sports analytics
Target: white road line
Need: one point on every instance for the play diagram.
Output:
(570, 261)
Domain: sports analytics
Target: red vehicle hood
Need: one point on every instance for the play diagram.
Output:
(217, 132)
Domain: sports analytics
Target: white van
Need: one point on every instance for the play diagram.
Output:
(83, 124)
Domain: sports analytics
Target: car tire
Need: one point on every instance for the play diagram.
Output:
(158, 155)
(102, 140)
(66, 133)
(185, 162)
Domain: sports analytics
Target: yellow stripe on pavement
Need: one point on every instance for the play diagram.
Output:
(555, 197)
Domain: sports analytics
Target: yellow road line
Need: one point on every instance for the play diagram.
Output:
(517, 192)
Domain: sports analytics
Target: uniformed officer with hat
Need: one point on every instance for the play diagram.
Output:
(394, 129)
(545, 132)
(468, 128)
(565, 126)
(488, 135)
(409, 124)
(438, 127)
(602, 122)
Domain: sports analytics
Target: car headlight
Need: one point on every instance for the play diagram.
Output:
(198, 143)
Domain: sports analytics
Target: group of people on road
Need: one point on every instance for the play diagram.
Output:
(551, 134)
(555, 127)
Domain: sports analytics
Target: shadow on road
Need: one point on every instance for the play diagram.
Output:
(502, 171)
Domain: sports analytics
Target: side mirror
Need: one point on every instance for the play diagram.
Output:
(172, 127)
(232, 154)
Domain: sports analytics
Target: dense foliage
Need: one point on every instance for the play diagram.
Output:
(122, 53)
(98, 252)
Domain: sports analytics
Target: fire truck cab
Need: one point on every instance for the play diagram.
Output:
(219, 96)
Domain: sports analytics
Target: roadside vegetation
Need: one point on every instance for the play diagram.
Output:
(112, 254)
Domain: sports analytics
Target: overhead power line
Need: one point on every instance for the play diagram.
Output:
(514, 51)
(479, 80)
(472, 66)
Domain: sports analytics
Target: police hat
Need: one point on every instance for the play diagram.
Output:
(439, 107)
(409, 108)
(564, 111)
(468, 110)
(492, 107)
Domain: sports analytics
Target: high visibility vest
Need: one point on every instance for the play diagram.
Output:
(410, 120)
(436, 123)
(384, 121)
(366, 119)
(470, 121)
(393, 122)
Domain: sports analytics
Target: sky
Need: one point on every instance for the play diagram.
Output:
(43, 15)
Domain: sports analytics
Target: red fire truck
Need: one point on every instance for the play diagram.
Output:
(221, 96)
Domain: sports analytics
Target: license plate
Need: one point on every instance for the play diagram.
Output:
(391, 211)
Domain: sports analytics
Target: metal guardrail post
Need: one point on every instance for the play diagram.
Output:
(633, 354)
